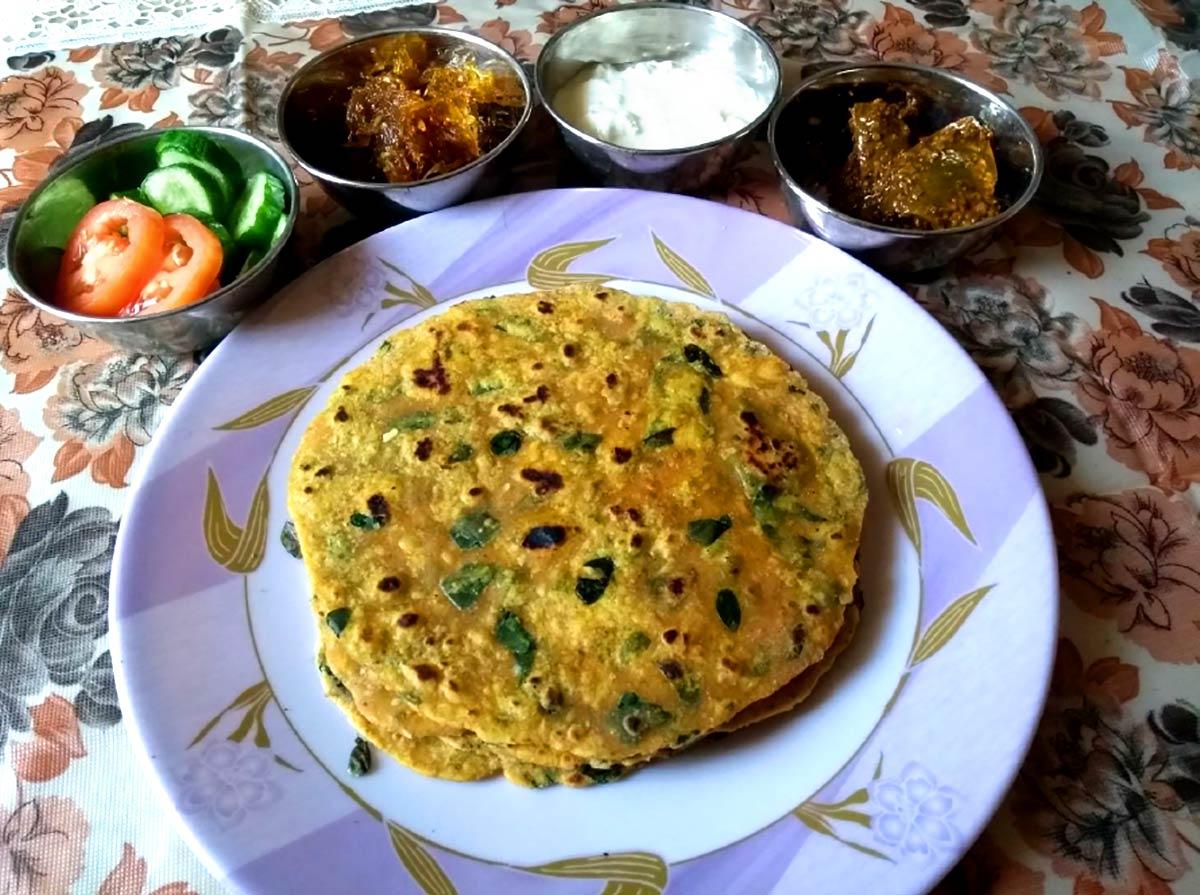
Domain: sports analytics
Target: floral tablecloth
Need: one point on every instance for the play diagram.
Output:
(1085, 315)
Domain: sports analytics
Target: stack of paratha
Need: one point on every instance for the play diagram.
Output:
(558, 535)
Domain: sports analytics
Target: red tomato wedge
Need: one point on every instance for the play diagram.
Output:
(191, 262)
(109, 258)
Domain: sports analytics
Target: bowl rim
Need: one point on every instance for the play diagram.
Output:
(291, 190)
(768, 51)
(1027, 132)
(373, 185)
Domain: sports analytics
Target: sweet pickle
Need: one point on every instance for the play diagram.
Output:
(422, 113)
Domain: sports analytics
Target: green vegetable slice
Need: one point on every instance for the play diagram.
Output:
(53, 215)
(134, 195)
(582, 441)
(706, 531)
(257, 213)
(360, 758)
(184, 147)
(474, 529)
(288, 538)
(464, 586)
(184, 189)
(729, 610)
(512, 635)
(661, 438)
(337, 619)
(633, 716)
(505, 442)
(591, 586)
(462, 451)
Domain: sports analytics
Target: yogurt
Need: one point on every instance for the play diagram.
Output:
(668, 104)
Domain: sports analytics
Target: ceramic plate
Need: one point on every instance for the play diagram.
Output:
(879, 782)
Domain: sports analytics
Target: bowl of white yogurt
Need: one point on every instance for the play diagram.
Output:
(657, 95)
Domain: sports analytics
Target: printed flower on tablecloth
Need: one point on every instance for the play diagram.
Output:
(1097, 795)
(1146, 393)
(1083, 204)
(568, 13)
(224, 781)
(322, 34)
(42, 846)
(244, 95)
(899, 37)
(1134, 557)
(32, 106)
(16, 444)
(136, 72)
(96, 700)
(101, 130)
(913, 813)
(30, 61)
(129, 878)
(1179, 20)
(811, 29)
(104, 411)
(1174, 315)
(753, 186)
(1166, 102)
(1054, 48)
(987, 868)
(1006, 324)
(54, 599)
(397, 17)
(34, 345)
(520, 42)
(1179, 254)
(1177, 727)
(27, 171)
(55, 745)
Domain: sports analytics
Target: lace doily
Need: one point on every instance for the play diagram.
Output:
(63, 24)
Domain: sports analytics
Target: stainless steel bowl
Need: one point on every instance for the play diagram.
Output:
(810, 140)
(656, 31)
(312, 125)
(33, 267)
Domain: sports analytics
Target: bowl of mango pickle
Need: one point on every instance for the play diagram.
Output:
(903, 166)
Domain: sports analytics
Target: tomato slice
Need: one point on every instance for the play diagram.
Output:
(191, 263)
(109, 257)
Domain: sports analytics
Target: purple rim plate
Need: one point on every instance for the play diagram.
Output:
(882, 779)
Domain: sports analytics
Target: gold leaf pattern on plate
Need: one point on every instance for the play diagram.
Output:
(687, 274)
(946, 625)
(419, 863)
(415, 295)
(272, 408)
(253, 700)
(820, 817)
(238, 549)
(910, 480)
(841, 362)
(638, 869)
(548, 269)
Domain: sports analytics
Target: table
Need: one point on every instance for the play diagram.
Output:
(1085, 316)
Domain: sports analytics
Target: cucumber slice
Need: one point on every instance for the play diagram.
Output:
(53, 215)
(135, 195)
(252, 259)
(221, 232)
(190, 148)
(184, 189)
(280, 229)
(257, 213)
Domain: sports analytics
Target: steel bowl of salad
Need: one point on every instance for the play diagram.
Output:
(158, 241)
